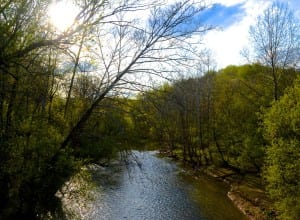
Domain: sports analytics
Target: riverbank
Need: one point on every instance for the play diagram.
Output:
(246, 191)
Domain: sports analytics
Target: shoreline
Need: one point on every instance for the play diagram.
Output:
(246, 191)
(248, 197)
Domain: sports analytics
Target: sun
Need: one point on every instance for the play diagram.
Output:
(62, 14)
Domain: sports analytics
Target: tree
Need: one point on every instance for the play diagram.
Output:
(179, 117)
(276, 41)
(281, 129)
(38, 145)
(135, 49)
(239, 95)
(30, 121)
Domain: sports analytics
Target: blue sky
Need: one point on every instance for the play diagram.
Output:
(219, 14)
(234, 17)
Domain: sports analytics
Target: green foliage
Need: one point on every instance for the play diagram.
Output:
(33, 165)
(151, 115)
(209, 119)
(212, 119)
(281, 127)
(239, 94)
(105, 134)
(34, 169)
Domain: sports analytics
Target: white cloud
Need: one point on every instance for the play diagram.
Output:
(227, 3)
(227, 44)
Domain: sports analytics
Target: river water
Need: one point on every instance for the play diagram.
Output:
(157, 189)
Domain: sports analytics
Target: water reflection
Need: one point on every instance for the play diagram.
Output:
(157, 190)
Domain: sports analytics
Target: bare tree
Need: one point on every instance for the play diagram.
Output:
(121, 49)
(275, 38)
(124, 48)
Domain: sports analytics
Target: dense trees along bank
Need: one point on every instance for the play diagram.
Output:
(229, 118)
(62, 101)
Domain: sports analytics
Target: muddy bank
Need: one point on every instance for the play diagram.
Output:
(246, 192)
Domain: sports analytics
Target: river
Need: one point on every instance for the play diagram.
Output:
(157, 189)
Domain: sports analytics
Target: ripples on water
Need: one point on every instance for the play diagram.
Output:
(156, 191)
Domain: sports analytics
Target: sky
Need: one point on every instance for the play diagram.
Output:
(233, 18)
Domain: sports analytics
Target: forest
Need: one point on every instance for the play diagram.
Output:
(109, 83)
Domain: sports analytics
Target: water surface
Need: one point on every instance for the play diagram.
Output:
(158, 189)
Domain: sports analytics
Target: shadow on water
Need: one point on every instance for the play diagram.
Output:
(211, 195)
(157, 188)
